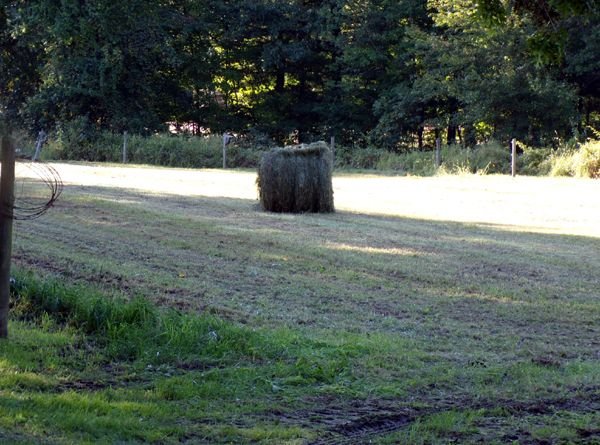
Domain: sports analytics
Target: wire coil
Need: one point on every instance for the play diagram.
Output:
(37, 187)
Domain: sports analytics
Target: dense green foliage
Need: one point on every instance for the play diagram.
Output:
(391, 73)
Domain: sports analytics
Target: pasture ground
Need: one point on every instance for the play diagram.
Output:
(425, 310)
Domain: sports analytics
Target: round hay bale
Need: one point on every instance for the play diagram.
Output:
(296, 179)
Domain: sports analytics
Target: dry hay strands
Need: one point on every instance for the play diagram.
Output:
(296, 179)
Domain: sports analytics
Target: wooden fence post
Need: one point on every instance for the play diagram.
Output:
(42, 137)
(7, 199)
(224, 152)
(332, 146)
(513, 165)
(227, 139)
(125, 147)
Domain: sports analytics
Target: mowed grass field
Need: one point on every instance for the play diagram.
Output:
(453, 309)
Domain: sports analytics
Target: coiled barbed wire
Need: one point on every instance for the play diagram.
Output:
(31, 202)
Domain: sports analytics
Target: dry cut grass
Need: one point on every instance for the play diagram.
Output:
(476, 293)
(566, 206)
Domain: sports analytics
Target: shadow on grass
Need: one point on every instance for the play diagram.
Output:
(343, 271)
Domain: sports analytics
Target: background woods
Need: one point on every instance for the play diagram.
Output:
(379, 72)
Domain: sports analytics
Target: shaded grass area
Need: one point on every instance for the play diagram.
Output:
(295, 329)
(84, 368)
(105, 370)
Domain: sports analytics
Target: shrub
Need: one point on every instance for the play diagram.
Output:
(391, 162)
(486, 158)
(243, 157)
(482, 159)
(534, 161)
(24, 143)
(296, 179)
(176, 151)
(491, 158)
(73, 140)
(561, 165)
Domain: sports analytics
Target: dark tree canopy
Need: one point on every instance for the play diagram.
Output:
(385, 72)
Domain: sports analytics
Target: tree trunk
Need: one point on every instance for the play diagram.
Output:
(451, 139)
(7, 183)
(279, 81)
(469, 136)
(420, 138)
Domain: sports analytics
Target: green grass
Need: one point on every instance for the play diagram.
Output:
(147, 317)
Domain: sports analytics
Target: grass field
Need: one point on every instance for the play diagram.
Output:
(425, 310)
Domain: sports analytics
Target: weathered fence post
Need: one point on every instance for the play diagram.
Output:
(7, 199)
(513, 165)
(227, 138)
(225, 141)
(125, 147)
(332, 148)
(438, 152)
(42, 136)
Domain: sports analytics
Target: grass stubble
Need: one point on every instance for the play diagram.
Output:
(272, 328)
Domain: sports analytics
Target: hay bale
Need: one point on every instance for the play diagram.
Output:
(296, 179)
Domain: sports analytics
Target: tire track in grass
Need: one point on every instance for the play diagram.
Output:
(359, 422)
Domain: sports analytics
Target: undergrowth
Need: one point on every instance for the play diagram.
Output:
(77, 142)
(74, 143)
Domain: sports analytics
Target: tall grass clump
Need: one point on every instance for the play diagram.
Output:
(490, 157)
(122, 326)
(582, 161)
(137, 331)
(296, 179)
(133, 329)
(486, 158)
(419, 163)
(586, 162)
(356, 157)
(176, 151)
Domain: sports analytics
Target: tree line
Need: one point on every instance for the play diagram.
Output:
(390, 73)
